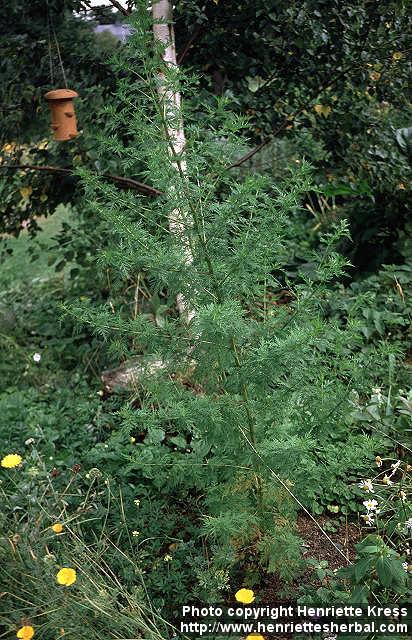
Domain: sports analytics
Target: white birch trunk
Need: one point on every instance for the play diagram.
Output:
(179, 220)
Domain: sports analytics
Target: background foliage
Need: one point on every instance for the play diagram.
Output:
(328, 79)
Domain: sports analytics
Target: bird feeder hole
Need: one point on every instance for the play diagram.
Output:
(63, 117)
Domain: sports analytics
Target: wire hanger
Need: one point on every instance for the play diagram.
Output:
(50, 30)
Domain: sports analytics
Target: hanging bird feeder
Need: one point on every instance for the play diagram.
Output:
(63, 116)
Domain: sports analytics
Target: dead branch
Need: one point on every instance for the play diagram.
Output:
(129, 373)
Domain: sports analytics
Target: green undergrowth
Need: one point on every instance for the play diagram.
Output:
(70, 433)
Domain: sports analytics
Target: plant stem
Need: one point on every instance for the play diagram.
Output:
(251, 425)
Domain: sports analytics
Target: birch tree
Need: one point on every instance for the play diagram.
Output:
(170, 102)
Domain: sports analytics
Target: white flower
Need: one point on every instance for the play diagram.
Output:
(377, 395)
(386, 480)
(29, 441)
(49, 558)
(366, 485)
(137, 502)
(167, 558)
(405, 566)
(378, 461)
(402, 495)
(368, 518)
(370, 504)
(36, 357)
(135, 534)
(408, 523)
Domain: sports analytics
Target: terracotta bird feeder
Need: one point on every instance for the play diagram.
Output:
(63, 117)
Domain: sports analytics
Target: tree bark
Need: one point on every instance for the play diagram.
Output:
(180, 221)
(170, 102)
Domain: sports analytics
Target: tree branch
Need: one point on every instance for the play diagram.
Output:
(193, 37)
(266, 140)
(125, 182)
(118, 6)
(87, 3)
(330, 83)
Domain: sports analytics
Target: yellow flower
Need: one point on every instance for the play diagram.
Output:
(245, 596)
(322, 110)
(57, 527)
(26, 192)
(9, 147)
(66, 576)
(254, 636)
(26, 632)
(397, 55)
(375, 75)
(11, 460)
(43, 144)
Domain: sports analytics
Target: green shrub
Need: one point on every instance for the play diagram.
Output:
(227, 407)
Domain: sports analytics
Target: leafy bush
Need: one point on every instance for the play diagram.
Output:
(226, 406)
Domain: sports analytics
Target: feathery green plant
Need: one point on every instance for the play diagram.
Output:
(225, 405)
